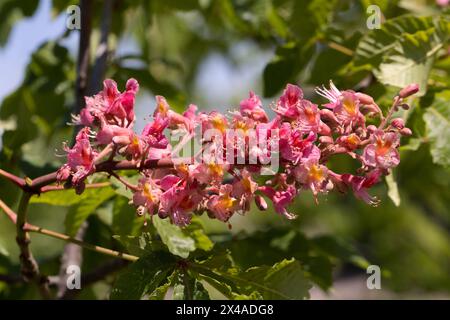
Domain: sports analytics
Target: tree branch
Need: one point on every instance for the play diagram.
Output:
(27, 227)
(36, 185)
(73, 255)
(101, 55)
(29, 266)
(83, 54)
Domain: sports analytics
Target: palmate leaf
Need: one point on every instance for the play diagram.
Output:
(80, 212)
(410, 61)
(437, 120)
(145, 275)
(283, 280)
(378, 42)
(182, 241)
(187, 287)
(403, 50)
(178, 242)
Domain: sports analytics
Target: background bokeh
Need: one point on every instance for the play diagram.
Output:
(212, 52)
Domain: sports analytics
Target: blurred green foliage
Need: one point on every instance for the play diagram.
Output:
(312, 42)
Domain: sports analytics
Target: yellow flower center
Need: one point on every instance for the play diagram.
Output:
(219, 123)
(316, 173)
(349, 105)
(382, 147)
(148, 192)
(227, 202)
(353, 139)
(247, 184)
(215, 169)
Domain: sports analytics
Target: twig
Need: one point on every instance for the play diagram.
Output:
(29, 266)
(61, 236)
(88, 186)
(13, 178)
(37, 184)
(340, 48)
(11, 279)
(27, 227)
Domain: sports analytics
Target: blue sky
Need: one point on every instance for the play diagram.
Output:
(220, 84)
(25, 37)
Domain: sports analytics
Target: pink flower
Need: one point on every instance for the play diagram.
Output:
(223, 205)
(148, 195)
(120, 105)
(311, 174)
(80, 161)
(294, 143)
(153, 133)
(281, 199)
(213, 120)
(244, 189)
(309, 117)
(360, 185)
(288, 104)
(175, 120)
(110, 104)
(209, 171)
(179, 200)
(382, 152)
(350, 142)
(345, 104)
(251, 108)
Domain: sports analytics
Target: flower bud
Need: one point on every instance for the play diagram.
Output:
(364, 98)
(409, 90)
(406, 132)
(398, 123)
(371, 128)
(405, 106)
(326, 139)
(260, 203)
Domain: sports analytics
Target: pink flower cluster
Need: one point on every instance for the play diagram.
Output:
(306, 137)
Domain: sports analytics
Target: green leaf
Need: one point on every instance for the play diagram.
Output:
(339, 249)
(11, 12)
(410, 61)
(160, 292)
(64, 198)
(187, 287)
(144, 275)
(288, 61)
(393, 189)
(437, 120)
(403, 50)
(174, 238)
(79, 213)
(285, 280)
(3, 251)
(125, 219)
(196, 230)
(413, 145)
